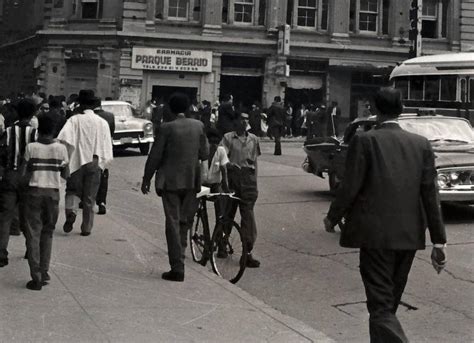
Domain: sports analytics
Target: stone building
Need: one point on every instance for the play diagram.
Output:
(306, 51)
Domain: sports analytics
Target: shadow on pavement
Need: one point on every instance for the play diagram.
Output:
(457, 213)
(126, 152)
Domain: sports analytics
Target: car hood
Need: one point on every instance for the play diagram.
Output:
(457, 155)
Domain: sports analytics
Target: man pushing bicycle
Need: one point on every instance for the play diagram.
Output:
(242, 149)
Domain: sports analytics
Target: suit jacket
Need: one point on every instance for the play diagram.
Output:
(175, 155)
(276, 115)
(226, 119)
(389, 192)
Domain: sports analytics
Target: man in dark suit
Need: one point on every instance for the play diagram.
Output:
(174, 158)
(388, 190)
(276, 122)
(227, 116)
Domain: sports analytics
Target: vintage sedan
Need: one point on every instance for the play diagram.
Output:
(452, 140)
(130, 131)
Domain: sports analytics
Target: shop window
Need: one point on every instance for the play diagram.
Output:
(91, 9)
(249, 12)
(308, 13)
(369, 16)
(434, 18)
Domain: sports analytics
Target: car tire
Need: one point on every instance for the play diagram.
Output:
(144, 148)
(334, 182)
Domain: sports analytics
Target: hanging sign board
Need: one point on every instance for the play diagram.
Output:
(182, 60)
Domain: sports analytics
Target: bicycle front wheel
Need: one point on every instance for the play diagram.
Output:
(198, 239)
(229, 253)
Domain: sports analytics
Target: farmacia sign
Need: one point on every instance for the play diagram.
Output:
(172, 59)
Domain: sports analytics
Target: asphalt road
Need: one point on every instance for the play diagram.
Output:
(304, 272)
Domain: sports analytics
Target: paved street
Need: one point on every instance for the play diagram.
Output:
(304, 273)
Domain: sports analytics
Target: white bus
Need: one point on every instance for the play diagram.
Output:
(438, 84)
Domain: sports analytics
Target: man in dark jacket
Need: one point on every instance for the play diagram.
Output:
(227, 116)
(276, 116)
(174, 158)
(388, 189)
(101, 198)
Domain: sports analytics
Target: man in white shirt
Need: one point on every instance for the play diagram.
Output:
(89, 144)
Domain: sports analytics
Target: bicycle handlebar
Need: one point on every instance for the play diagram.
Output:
(229, 195)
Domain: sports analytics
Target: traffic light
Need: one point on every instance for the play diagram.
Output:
(413, 33)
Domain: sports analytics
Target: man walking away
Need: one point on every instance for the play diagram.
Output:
(12, 189)
(89, 144)
(46, 162)
(276, 116)
(243, 148)
(174, 158)
(388, 190)
(226, 118)
(101, 198)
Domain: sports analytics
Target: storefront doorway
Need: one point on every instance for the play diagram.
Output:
(163, 93)
(246, 90)
(305, 96)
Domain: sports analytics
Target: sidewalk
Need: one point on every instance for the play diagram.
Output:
(108, 288)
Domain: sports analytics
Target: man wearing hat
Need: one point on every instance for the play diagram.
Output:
(89, 143)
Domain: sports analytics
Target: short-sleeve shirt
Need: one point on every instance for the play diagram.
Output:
(46, 161)
(242, 151)
(219, 160)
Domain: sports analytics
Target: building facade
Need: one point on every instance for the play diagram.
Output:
(306, 51)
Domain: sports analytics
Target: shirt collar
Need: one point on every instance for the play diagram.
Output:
(180, 115)
(88, 111)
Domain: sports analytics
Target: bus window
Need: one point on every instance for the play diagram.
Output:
(463, 86)
(432, 88)
(416, 88)
(448, 88)
(402, 85)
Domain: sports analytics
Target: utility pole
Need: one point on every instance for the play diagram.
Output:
(416, 12)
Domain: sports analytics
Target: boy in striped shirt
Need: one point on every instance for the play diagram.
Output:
(46, 164)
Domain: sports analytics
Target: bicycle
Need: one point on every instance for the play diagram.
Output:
(225, 248)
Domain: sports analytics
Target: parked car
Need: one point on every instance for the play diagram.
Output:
(452, 139)
(130, 131)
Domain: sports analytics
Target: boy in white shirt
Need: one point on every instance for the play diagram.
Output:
(45, 167)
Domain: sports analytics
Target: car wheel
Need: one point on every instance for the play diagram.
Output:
(144, 148)
(334, 182)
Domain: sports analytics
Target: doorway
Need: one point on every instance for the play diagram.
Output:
(163, 93)
(246, 90)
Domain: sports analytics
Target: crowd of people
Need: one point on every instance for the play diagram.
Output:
(42, 142)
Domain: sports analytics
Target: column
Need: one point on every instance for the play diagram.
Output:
(211, 17)
(339, 20)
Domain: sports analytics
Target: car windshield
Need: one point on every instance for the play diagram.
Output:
(118, 110)
(442, 129)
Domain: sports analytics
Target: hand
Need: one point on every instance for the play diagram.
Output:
(145, 187)
(438, 259)
(328, 225)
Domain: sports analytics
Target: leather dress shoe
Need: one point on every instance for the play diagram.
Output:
(102, 209)
(251, 262)
(45, 278)
(3, 262)
(70, 219)
(173, 276)
(34, 285)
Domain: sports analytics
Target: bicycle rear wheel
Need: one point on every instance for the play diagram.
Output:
(229, 253)
(198, 238)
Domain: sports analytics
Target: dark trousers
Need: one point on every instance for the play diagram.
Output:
(41, 216)
(11, 205)
(244, 183)
(101, 197)
(180, 207)
(83, 185)
(385, 274)
(276, 132)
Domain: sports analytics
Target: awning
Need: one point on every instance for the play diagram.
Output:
(334, 62)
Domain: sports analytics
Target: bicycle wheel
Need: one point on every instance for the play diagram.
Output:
(229, 253)
(198, 236)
